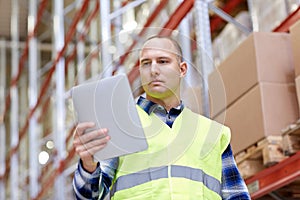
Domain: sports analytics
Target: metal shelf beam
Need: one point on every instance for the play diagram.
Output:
(289, 21)
(216, 20)
(274, 177)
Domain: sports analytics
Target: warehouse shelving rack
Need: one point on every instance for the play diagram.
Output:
(273, 182)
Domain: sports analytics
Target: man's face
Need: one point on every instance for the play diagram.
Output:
(160, 68)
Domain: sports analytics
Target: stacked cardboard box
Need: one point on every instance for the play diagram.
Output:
(263, 111)
(253, 90)
(295, 39)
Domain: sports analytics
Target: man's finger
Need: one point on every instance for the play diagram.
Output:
(81, 127)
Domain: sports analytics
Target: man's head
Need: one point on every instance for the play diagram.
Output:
(177, 50)
(161, 67)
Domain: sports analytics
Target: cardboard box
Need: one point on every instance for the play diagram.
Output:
(295, 40)
(263, 111)
(262, 57)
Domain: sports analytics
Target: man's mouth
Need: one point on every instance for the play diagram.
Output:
(155, 82)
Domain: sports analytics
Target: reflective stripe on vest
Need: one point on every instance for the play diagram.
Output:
(147, 175)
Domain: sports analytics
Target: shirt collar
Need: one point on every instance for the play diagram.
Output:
(149, 106)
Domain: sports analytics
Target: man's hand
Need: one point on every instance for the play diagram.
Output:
(88, 143)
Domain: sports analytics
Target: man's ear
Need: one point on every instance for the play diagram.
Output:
(183, 69)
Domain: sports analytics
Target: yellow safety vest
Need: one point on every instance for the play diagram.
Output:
(182, 162)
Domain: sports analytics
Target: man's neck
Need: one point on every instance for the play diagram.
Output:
(167, 103)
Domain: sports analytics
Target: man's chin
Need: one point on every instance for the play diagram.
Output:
(156, 91)
(157, 94)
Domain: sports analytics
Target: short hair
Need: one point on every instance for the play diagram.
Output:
(174, 42)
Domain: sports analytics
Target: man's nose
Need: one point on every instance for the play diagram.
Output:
(154, 68)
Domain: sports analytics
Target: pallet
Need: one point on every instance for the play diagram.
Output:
(291, 139)
(265, 153)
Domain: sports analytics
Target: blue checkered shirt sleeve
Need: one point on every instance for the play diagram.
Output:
(233, 185)
(94, 185)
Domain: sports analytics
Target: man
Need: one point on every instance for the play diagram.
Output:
(189, 156)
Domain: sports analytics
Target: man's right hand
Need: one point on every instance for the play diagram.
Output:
(88, 143)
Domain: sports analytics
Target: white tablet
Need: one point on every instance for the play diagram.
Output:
(109, 103)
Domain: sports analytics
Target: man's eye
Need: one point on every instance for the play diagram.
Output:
(163, 61)
(146, 64)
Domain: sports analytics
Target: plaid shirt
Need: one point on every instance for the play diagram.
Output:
(96, 185)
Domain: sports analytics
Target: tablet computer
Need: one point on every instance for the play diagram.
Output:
(109, 103)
